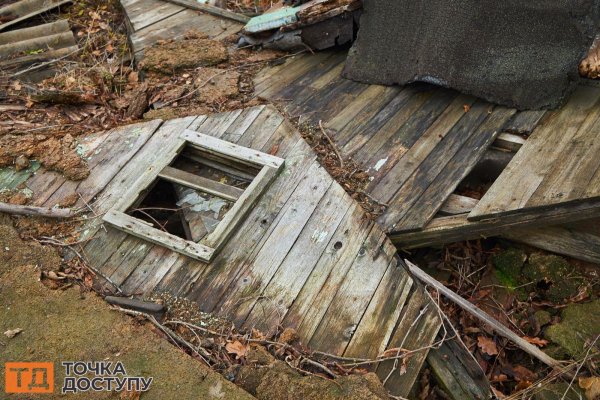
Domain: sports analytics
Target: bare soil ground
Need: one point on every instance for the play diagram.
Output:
(75, 324)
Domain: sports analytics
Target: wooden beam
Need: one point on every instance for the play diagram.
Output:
(227, 150)
(457, 204)
(570, 241)
(455, 228)
(241, 208)
(143, 230)
(209, 186)
(481, 315)
(207, 8)
(509, 141)
(215, 162)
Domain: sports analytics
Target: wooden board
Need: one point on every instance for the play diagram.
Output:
(152, 20)
(556, 167)
(417, 143)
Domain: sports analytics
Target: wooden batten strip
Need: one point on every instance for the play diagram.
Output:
(145, 231)
(209, 186)
(230, 150)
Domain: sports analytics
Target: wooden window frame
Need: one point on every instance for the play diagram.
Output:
(269, 167)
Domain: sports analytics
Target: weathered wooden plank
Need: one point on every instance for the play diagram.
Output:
(51, 28)
(373, 93)
(326, 102)
(238, 212)
(175, 26)
(144, 231)
(115, 151)
(294, 69)
(458, 372)
(418, 325)
(143, 159)
(229, 150)
(369, 118)
(210, 9)
(48, 42)
(151, 272)
(240, 126)
(312, 302)
(205, 185)
(457, 227)
(405, 183)
(452, 173)
(579, 243)
(532, 163)
(456, 204)
(393, 147)
(131, 261)
(293, 89)
(26, 9)
(509, 141)
(11, 179)
(377, 325)
(102, 246)
(524, 122)
(147, 269)
(293, 271)
(261, 130)
(354, 136)
(255, 276)
(248, 240)
(170, 282)
(352, 298)
(216, 125)
(144, 13)
(571, 177)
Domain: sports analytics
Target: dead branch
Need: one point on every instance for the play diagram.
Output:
(199, 351)
(477, 312)
(36, 211)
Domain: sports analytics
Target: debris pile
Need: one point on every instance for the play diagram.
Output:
(316, 24)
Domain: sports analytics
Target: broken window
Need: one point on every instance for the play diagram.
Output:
(192, 200)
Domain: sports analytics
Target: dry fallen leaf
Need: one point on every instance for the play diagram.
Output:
(236, 348)
(591, 387)
(466, 107)
(487, 345)
(11, 333)
(523, 374)
(537, 341)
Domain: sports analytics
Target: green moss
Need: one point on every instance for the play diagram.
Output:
(542, 317)
(553, 271)
(508, 265)
(546, 267)
(556, 391)
(579, 325)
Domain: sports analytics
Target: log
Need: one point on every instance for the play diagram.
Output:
(36, 211)
(477, 312)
